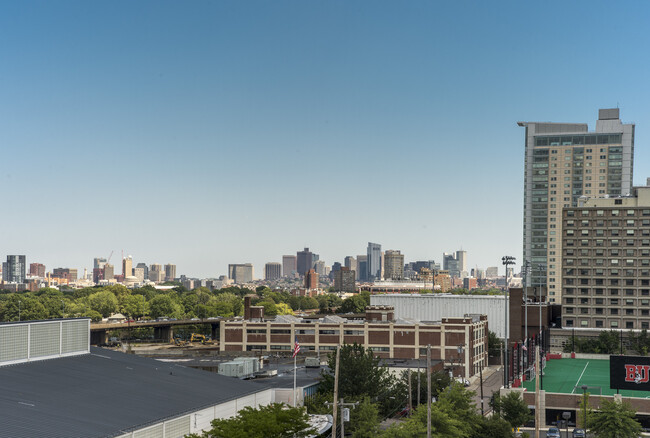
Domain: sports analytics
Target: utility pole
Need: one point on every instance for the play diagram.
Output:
(410, 405)
(336, 390)
(419, 387)
(343, 415)
(538, 414)
(429, 391)
(480, 370)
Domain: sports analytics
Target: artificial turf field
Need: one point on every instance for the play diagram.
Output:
(563, 375)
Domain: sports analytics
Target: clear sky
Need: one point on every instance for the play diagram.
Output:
(212, 132)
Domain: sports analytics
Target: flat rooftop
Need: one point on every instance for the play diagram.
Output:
(105, 394)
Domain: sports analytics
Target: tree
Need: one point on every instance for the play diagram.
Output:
(494, 344)
(132, 305)
(439, 381)
(514, 409)
(353, 304)
(164, 305)
(492, 427)
(584, 411)
(103, 302)
(614, 420)
(276, 420)
(364, 419)
(640, 344)
(359, 374)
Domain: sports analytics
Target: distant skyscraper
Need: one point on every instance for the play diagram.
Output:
(138, 273)
(565, 161)
(170, 272)
(362, 267)
(241, 273)
(461, 256)
(374, 261)
(145, 270)
(393, 265)
(65, 273)
(156, 273)
(289, 265)
(351, 263)
(344, 280)
(127, 267)
(109, 272)
(272, 271)
(13, 270)
(492, 272)
(99, 262)
(311, 279)
(304, 261)
(319, 267)
(452, 264)
(37, 270)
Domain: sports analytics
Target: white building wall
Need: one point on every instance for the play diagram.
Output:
(199, 421)
(434, 307)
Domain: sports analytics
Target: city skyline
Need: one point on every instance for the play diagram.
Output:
(118, 134)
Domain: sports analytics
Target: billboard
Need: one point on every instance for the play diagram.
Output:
(629, 372)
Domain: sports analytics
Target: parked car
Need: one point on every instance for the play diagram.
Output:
(579, 433)
(553, 432)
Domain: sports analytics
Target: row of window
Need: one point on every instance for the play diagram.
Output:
(587, 139)
(614, 232)
(615, 252)
(601, 311)
(599, 323)
(603, 222)
(601, 281)
(611, 272)
(591, 212)
(610, 291)
(612, 301)
(601, 242)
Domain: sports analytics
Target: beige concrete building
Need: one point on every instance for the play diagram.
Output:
(606, 262)
(565, 161)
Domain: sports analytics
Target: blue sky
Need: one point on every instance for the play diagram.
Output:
(214, 132)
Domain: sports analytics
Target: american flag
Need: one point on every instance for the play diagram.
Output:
(296, 348)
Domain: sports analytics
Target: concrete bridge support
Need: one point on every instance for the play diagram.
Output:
(164, 333)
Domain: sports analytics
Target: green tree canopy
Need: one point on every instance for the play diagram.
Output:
(614, 420)
(359, 374)
(103, 302)
(514, 410)
(165, 305)
(273, 421)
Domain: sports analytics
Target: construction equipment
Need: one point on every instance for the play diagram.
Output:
(179, 342)
(197, 337)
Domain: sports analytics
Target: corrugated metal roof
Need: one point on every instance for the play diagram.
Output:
(104, 394)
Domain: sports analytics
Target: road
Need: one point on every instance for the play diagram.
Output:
(492, 381)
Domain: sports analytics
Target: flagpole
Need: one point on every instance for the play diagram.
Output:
(294, 380)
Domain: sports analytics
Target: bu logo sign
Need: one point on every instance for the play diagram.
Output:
(637, 373)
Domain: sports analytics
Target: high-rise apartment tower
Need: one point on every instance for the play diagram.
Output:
(564, 161)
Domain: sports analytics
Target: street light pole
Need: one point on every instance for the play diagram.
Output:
(584, 402)
(506, 260)
(540, 267)
(526, 267)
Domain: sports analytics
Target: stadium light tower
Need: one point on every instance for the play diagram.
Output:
(506, 260)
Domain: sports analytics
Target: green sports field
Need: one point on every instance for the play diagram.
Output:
(563, 375)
